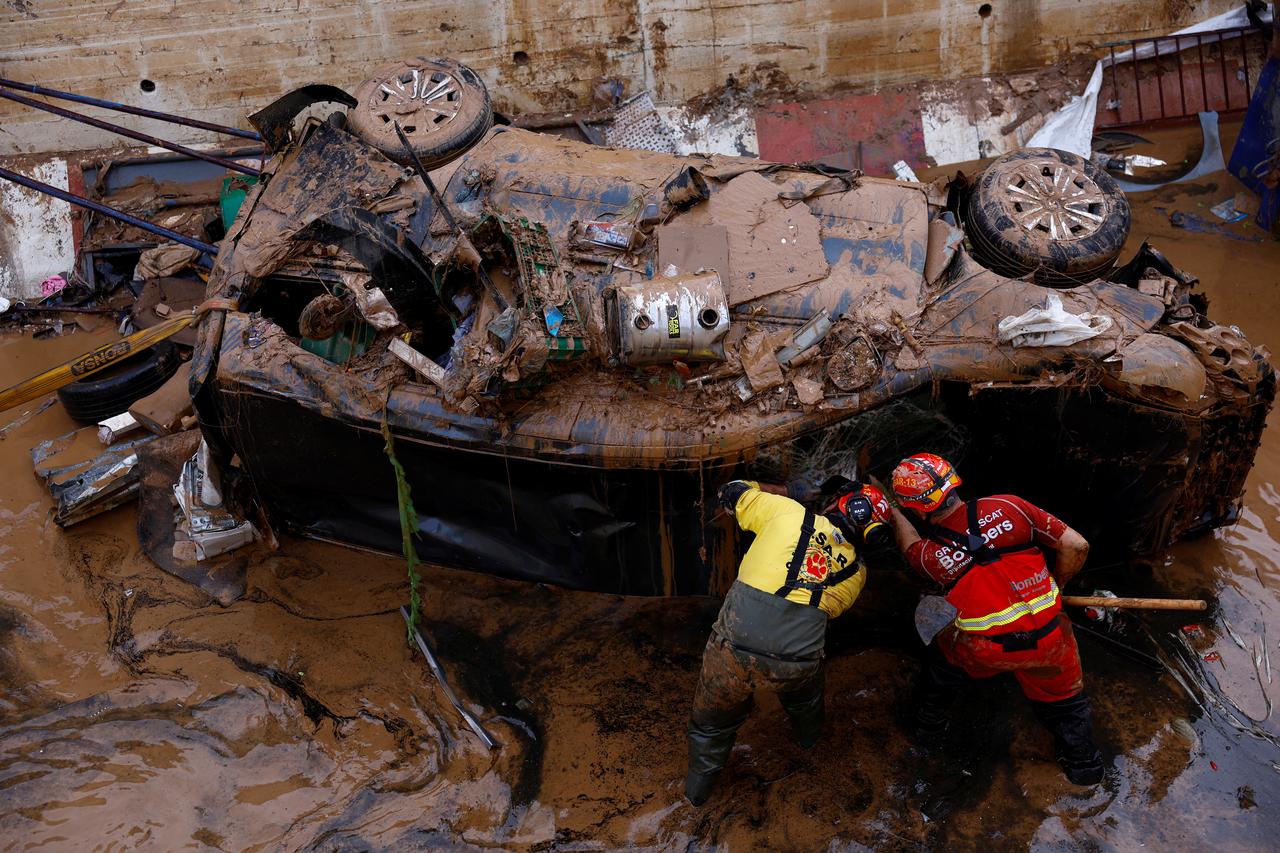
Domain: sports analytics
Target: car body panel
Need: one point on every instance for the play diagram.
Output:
(597, 476)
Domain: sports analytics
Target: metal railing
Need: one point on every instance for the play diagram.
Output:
(1211, 71)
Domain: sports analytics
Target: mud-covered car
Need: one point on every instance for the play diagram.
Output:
(621, 331)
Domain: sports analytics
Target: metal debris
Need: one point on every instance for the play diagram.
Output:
(84, 489)
(438, 672)
(636, 124)
(206, 529)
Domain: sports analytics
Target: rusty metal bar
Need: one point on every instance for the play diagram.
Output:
(1204, 83)
(98, 207)
(1115, 85)
(1137, 84)
(1155, 45)
(1182, 107)
(131, 134)
(125, 108)
(1244, 61)
(1222, 67)
(1182, 82)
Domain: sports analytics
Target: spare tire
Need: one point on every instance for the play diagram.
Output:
(442, 106)
(1047, 213)
(112, 391)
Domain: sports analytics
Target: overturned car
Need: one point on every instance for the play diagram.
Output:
(573, 346)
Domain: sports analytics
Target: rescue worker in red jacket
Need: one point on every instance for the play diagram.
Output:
(801, 569)
(989, 555)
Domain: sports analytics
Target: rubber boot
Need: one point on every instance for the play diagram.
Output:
(711, 737)
(806, 708)
(936, 690)
(698, 786)
(1070, 721)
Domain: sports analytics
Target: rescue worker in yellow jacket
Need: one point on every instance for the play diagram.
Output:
(801, 570)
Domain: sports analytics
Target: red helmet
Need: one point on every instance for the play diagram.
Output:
(923, 481)
(865, 511)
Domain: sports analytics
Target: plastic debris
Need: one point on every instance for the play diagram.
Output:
(503, 327)
(808, 336)
(110, 430)
(905, 172)
(419, 362)
(759, 362)
(206, 528)
(1101, 615)
(371, 302)
(1226, 210)
(1191, 222)
(613, 235)
(1231, 632)
(1141, 161)
(52, 285)
(554, 318)
(1051, 326)
(1185, 730)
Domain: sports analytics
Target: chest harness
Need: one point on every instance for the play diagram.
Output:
(984, 554)
(814, 588)
(972, 543)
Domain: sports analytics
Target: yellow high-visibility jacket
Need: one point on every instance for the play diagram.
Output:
(827, 572)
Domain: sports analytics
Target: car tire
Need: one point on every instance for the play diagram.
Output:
(1049, 214)
(114, 390)
(442, 106)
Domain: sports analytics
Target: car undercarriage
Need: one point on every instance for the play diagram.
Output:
(548, 433)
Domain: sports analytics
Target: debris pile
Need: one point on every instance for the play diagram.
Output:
(593, 337)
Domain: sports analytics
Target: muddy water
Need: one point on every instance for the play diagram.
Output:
(137, 712)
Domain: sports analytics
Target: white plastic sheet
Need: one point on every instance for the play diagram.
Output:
(1070, 128)
(1051, 326)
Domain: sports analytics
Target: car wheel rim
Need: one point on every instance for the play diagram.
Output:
(422, 101)
(1054, 200)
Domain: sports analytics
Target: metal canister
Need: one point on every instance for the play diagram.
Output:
(684, 317)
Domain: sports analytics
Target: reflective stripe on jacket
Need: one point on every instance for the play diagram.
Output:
(987, 554)
(1015, 593)
(1012, 613)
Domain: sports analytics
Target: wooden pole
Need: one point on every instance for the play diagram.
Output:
(1136, 603)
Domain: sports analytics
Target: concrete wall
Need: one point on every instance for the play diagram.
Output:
(220, 60)
(35, 231)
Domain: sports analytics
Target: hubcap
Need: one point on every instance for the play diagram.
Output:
(421, 100)
(1055, 199)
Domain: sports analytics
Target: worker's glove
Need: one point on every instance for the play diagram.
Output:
(804, 488)
(728, 495)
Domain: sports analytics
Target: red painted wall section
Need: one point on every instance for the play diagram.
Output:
(887, 123)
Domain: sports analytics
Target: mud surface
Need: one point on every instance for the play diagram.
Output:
(136, 711)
